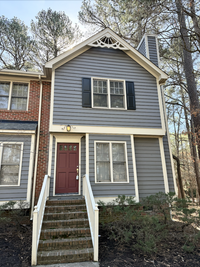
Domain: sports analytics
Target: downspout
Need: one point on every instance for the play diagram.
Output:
(37, 148)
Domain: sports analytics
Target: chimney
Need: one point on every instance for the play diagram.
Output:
(148, 47)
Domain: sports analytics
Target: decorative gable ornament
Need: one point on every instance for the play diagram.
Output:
(109, 42)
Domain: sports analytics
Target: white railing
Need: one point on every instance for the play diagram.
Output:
(93, 214)
(38, 214)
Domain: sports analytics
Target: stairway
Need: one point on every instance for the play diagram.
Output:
(65, 235)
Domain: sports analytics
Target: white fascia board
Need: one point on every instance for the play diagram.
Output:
(18, 131)
(21, 73)
(142, 60)
(108, 130)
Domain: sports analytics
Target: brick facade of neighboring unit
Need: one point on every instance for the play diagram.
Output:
(44, 139)
(32, 115)
(33, 106)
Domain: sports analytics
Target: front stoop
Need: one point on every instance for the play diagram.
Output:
(65, 235)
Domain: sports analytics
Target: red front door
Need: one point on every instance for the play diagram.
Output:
(66, 170)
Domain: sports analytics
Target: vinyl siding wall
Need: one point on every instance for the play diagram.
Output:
(142, 48)
(106, 63)
(18, 192)
(149, 166)
(153, 49)
(111, 189)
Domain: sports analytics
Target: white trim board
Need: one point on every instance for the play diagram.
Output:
(30, 173)
(107, 130)
(23, 132)
(162, 154)
(134, 169)
(66, 139)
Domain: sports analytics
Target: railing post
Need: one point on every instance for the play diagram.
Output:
(34, 237)
(96, 233)
(48, 186)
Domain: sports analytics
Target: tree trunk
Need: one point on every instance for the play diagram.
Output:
(195, 21)
(196, 162)
(179, 176)
(189, 72)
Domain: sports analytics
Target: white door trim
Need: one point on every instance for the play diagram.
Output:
(67, 138)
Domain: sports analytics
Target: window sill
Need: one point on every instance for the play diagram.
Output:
(112, 182)
(109, 108)
(13, 110)
(9, 185)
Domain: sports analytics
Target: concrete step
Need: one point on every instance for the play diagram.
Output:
(64, 233)
(73, 223)
(65, 202)
(65, 215)
(62, 244)
(64, 256)
(64, 208)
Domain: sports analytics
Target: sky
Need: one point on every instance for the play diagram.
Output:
(26, 10)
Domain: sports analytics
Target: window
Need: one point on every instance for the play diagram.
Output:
(111, 162)
(10, 163)
(108, 93)
(13, 95)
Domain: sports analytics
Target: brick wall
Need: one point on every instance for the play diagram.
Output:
(33, 106)
(42, 166)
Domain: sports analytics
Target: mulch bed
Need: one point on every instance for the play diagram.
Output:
(15, 243)
(170, 253)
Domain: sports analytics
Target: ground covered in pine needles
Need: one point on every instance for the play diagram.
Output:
(169, 253)
(15, 243)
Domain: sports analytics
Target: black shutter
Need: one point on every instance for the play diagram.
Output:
(130, 95)
(86, 92)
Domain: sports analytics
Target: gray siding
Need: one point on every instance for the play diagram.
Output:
(107, 63)
(153, 49)
(142, 48)
(168, 164)
(114, 189)
(149, 166)
(52, 168)
(18, 192)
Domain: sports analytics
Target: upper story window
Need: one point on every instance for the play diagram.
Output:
(13, 95)
(108, 93)
(10, 163)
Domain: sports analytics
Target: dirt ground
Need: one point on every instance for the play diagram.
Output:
(15, 250)
(15, 243)
(170, 253)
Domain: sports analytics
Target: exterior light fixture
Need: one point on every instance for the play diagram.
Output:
(68, 128)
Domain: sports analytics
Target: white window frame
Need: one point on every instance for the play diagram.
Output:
(111, 161)
(21, 157)
(108, 92)
(10, 94)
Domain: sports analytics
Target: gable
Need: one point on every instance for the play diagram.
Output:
(107, 38)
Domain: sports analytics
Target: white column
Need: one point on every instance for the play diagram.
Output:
(134, 169)
(87, 153)
(162, 154)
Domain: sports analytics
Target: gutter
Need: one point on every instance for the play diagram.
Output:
(37, 149)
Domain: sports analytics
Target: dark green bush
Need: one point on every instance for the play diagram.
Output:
(144, 225)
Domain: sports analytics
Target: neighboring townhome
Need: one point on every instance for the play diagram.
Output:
(20, 108)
